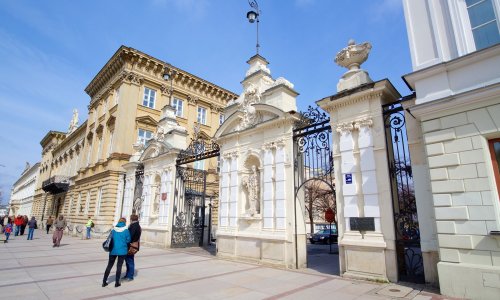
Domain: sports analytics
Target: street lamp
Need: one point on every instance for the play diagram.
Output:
(252, 16)
(169, 75)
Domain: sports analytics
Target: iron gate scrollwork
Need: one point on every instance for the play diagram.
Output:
(188, 228)
(313, 164)
(409, 254)
(189, 207)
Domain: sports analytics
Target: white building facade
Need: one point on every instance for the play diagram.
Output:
(455, 54)
(23, 191)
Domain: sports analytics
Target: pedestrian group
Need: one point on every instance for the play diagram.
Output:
(123, 242)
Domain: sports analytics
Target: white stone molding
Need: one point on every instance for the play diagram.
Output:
(366, 122)
(344, 128)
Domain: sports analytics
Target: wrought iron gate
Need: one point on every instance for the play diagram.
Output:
(409, 254)
(188, 226)
(313, 164)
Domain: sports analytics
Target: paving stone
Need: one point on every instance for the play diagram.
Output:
(75, 270)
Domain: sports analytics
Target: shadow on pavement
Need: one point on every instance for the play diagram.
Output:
(319, 258)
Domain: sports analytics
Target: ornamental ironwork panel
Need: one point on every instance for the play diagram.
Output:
(199, 149)
(189, 207)
(409, 254)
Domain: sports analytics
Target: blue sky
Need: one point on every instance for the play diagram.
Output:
(51, 50)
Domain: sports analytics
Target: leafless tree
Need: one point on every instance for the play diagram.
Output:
(318, 198)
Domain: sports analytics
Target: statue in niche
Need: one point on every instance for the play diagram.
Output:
(252, 186)
(156, 202)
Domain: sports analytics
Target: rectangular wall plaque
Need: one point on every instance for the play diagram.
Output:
(348, 178)
(362, 224)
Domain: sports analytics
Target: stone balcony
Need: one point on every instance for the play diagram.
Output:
(56, 184)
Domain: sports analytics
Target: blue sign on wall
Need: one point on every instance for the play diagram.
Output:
(348, 178)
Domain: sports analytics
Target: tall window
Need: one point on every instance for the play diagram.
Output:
(221, 119)
(89, 154)
(484, 23)
(99, 147)
(178, 105)
(144, 136)
(202, 115)
(87, 203)
(98, 202)
(79, 203)
(69, 205)
(110, 145)
(117, 95)
(495, 159)
(149, 97)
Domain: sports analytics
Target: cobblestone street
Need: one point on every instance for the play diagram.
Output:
(35, 270)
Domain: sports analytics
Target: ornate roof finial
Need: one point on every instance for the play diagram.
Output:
(351, 57)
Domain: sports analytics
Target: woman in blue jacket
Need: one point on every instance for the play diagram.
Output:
(121, 238)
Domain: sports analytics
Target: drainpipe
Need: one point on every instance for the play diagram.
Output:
(123, 194)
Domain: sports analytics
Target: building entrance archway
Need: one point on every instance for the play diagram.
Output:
(315, 187)
(190, 224)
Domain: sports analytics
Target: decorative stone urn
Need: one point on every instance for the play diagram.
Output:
(351, 57)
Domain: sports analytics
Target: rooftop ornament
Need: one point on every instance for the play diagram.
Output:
(351, 57)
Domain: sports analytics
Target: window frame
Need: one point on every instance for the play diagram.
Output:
(495, 163)
(140, 139)
(462, 26)
(148, 102)
(202, 120)
(177, 101)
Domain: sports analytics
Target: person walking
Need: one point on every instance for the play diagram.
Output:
(18, 221)
(31, 227)
(89, 226)
(133, 247)
(49, 223)
(7, 231)
(59, 224)
(121, 239)
(25, 223)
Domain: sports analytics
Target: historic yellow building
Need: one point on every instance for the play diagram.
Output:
(81, 171)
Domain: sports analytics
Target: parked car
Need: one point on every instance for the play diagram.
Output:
(325, 236)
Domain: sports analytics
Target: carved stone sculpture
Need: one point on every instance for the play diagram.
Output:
(351, 57)
(251, 96)
(73, 125)
(252, 185)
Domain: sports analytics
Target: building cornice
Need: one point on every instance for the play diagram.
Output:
(451, 65)
(81, 129)
(362, 93)
(51, 134)
(131, 63)
(454, 104)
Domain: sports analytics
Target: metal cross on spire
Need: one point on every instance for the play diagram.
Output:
(252, 16)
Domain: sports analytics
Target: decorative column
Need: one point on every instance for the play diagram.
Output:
(268, 187)
(364, 201)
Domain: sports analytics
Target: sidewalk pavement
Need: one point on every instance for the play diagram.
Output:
(35, 270)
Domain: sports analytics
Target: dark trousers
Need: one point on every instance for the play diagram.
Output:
(48, 228)
(119, 265)
(129, 261)
(23, 227)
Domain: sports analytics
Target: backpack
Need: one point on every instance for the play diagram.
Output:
(107, 245)
(91, 224)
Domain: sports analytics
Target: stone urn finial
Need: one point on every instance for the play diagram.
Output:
(351, 57)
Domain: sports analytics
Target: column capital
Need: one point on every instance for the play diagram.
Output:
(345, 127)
(365, 122)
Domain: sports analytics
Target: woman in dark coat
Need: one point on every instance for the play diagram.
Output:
(121, 239)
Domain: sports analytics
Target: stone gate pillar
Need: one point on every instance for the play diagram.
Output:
(364, 202)
(256, 209)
